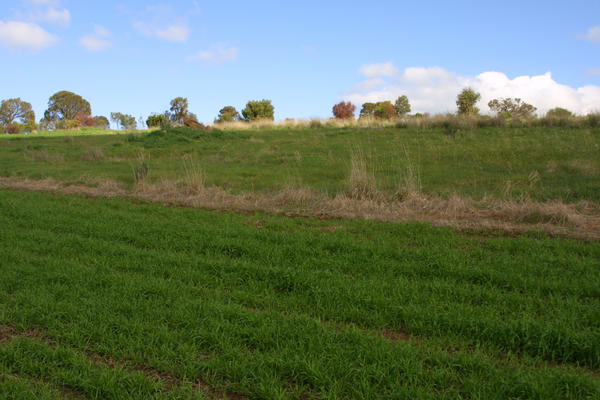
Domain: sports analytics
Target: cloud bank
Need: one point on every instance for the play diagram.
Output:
(18, 35)
(434, 89)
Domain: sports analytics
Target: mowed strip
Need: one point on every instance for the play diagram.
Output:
(274, 307)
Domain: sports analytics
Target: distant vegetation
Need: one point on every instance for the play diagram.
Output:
(67, 110)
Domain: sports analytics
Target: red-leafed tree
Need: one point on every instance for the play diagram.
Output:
(85, 119)
(344, 110)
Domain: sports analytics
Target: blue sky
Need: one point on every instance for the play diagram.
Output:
(135, 56)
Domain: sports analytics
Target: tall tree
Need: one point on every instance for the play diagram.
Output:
(16, 110)
(65, 106)
(179, 110)
(466, 101)
(256, 110)
(402, 106)
(125, 121)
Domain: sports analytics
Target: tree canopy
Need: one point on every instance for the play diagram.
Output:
(402, 106)
(512, 108)
(125, 121)
(179, 110)
(16, 110)
(65, 106)
(344, 110)
(228, 114)
(256, 110)
(466, 101)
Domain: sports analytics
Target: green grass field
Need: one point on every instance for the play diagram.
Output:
(539, 163)
(108, 299)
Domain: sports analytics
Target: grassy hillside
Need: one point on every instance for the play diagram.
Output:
(109, 299)
(540, 163)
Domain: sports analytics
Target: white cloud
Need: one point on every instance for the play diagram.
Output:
(173, 33)
(25, 35)
(385, 69)
(97, 41)
(592, 35)
(55, 16)
(435, 89)
(217, 54)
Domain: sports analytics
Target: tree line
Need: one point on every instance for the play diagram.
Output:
(67, 110)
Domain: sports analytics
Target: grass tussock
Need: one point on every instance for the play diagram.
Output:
(578, 220)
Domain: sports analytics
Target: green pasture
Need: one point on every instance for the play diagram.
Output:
(542, 163)
(107, 299)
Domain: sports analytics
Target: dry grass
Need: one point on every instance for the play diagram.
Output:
(581, 220)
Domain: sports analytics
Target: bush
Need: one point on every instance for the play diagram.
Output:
(85, 119)
(315, 123)
(256, 110)
(592, 120)
(13, 128)
(158, 121)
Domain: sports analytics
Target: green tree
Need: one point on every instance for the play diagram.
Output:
(514, 108)
(559, 113)
(102, 122)
(179, 110)
(228, 114)
(402, 106)
(158, 121)
(466, 101)
(385, 110)
(256, 110)
(65, 106)
(125, 121)
(16, 110)
(368, 110)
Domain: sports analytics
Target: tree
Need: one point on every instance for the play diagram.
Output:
(512, 108)
(102, 122)
(65, 106)
(368, 110)
(85, 120)
(402, 106)
(256, 110)
(344, 110)
(385, 110)
(559, 113)
(228, 114)
(179, 110)
(16, 110)
(466, 101)
(158, 121)
(125, 121)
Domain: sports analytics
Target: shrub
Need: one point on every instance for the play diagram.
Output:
(85, 119)
(256, 110)
(593, 120)
(13, 128)
(315, 123)
(344, 110)
(466, 101)
(158, 121)
(71, 124)
(228, 114)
